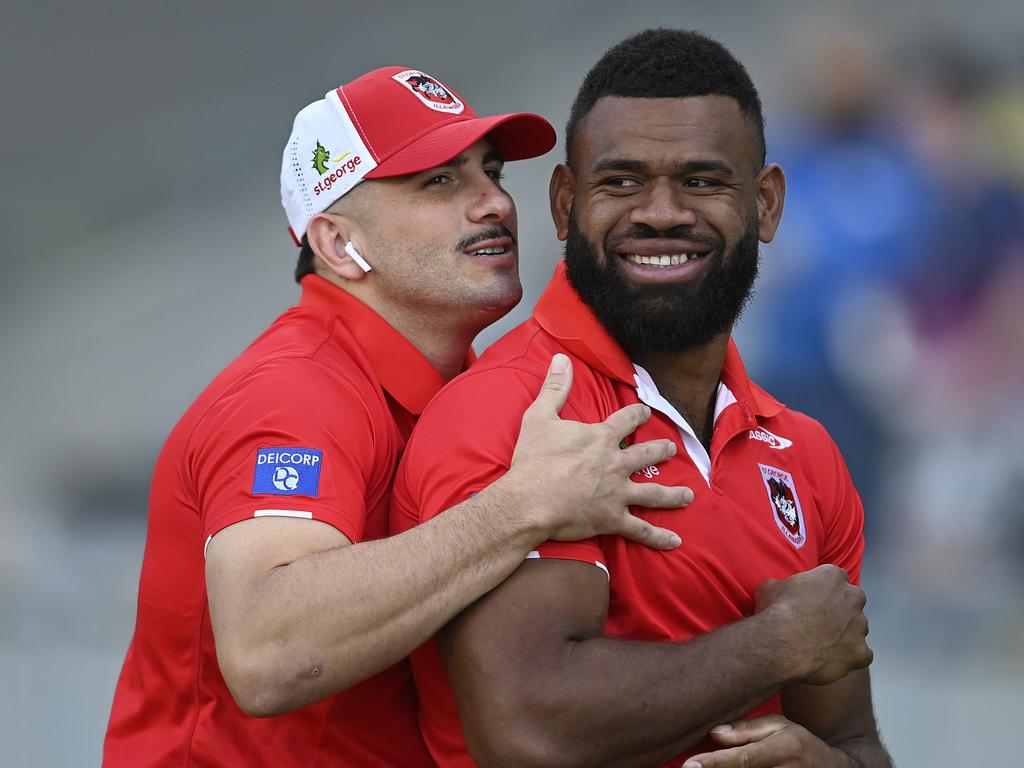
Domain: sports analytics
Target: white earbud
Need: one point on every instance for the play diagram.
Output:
(351, 251)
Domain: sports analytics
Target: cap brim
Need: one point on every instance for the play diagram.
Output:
(517, 137)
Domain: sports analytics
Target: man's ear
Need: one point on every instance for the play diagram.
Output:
(327, 234)
(560, 193)
(771, 195)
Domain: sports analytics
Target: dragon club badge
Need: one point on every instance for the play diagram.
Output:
(785, 504)
(430, 91)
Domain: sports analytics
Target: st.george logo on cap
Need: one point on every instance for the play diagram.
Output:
(392, 121)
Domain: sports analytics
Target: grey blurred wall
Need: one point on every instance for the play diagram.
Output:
(144, 246)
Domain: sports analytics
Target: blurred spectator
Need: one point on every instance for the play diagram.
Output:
(894, 293)
(859, 211)
(960, 421)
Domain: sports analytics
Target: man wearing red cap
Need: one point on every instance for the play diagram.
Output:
(273, 615)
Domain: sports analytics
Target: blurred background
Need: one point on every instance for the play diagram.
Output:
(145, 246)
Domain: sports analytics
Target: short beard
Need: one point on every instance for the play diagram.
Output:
(672, 317)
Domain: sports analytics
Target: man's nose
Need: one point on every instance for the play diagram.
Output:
(491, 203)
(663, 206)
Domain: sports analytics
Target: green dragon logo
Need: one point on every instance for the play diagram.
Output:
(320, 158)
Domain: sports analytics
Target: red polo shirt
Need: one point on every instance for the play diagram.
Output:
(772, 498)
(308, 422)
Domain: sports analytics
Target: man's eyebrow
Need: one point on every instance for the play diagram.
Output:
(704, 166)
(681, 169)
(493, 156)
(455, 162)
(618, 164)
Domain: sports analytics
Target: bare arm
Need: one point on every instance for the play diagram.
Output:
(537, 683)
(842, 716)
(829, 726)
(299, 612)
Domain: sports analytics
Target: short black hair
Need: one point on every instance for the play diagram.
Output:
(667, 63)
(307, 261)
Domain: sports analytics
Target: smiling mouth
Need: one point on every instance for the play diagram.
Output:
(669, 260)
(490, 244)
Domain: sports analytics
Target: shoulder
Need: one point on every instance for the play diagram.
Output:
(300, 385)
(466, 436)
(301, 348)
(486, 402)
(816, 451)
(506, 379)
(810, 432)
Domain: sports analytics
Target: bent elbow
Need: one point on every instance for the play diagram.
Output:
(259, 703)
(272, 679)
(257, 681)
(256, 693)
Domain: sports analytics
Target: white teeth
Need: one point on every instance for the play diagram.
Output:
(488, 251)
(661, 261)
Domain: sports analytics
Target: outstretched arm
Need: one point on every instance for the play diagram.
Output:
(299, 612)
(537, 683)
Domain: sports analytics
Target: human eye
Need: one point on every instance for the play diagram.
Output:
(701, 183)
(437, 181)
(621, 182)
(495, 174)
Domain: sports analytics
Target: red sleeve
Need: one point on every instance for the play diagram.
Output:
(843, 515)
(291, 439)
(464, 442)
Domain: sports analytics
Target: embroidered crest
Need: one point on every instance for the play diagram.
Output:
(430, 91)
(785, 504)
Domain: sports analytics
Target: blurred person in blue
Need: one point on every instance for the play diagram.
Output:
(950, 111)
(860, 217)
(900, 261)
(959, 399)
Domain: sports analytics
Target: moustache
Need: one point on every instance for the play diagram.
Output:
(645, 232)
(488, 234)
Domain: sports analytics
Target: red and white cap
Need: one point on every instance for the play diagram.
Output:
(389, 122)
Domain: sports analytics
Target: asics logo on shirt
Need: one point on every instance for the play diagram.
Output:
(774, 441)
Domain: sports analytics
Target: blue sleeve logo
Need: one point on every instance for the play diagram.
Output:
(287, 471)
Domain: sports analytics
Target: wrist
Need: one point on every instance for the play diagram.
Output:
(785, 644)
(515, 506)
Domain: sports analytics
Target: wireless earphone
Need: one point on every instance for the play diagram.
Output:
(351, 251)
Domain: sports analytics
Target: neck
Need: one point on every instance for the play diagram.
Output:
(689, 380)
(443, 344)
(443, 336)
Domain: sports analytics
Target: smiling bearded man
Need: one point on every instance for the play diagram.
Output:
(745, 646)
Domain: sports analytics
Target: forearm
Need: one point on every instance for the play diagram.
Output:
(862, 752)
(841, 716)
(625, 703)
(325, 621)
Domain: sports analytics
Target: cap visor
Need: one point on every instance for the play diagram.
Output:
(516, 137)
